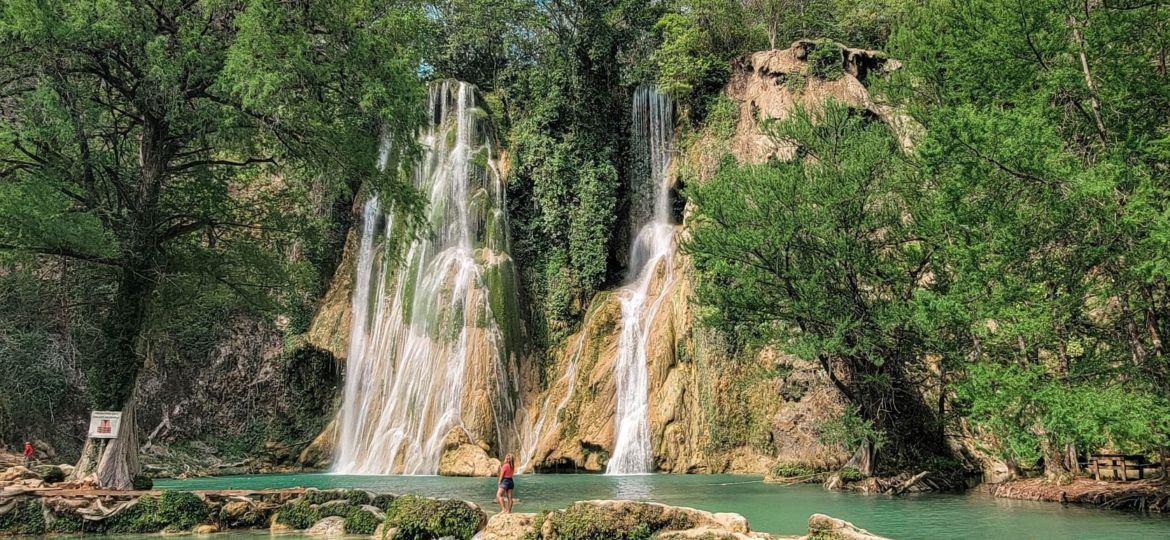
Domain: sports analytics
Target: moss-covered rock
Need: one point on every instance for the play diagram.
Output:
(383, 501)
(632, 521)
(297, 514)
(420, 518)
(25, 517)
(172, 511)
(361, 521)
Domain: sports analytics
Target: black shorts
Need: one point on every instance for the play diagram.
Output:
(507, 483)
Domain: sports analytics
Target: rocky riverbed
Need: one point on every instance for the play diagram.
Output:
(37, 501)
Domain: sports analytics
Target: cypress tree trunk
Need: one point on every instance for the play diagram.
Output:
(113, 376)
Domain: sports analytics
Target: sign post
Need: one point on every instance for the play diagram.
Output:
(104, 424)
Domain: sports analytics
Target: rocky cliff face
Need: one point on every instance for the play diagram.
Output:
(711, 410)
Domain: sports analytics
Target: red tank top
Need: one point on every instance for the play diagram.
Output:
(506, 470)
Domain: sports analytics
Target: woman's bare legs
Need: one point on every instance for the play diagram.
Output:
(500, 499)
(508, 498)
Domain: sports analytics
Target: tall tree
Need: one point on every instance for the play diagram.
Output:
(178, 137)
(822, 256)
(1045, 139)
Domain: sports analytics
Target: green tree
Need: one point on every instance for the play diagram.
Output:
(821, 255)
(1048, 159)
(166, 139)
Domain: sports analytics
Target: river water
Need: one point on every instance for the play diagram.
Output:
(768, 507)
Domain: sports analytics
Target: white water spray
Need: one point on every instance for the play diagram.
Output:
(423, 325)
(650, 277)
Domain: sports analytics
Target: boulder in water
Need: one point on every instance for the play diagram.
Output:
(461, 457)
(508, 526)
(330, 526)
(822, 526)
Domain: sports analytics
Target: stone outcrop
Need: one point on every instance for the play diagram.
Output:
(508, 526)
(461, 457)
(332, 526)
(608, 518)
(822, 527)
(772, 84)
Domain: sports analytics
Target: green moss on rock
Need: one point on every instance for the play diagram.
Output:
(298, 514)
(583, 521)
(26, 517)
(419, 518)
(360, 521)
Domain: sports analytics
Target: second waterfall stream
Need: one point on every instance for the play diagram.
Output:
(649, 277)
(431, 330)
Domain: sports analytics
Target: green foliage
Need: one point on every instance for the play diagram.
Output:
(24, 518)
(787, 254)
(1038, 158)
(298, 514)
(850, 431)
(382, 501)
(782, 469)
(359, 521)
(1027, 410)
(420, 518)
(142, 482)
(582, 521)
(850, 474)
(826, 60)
(158, 168)
(182, 510)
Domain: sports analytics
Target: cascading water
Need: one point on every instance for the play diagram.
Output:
(429, 344)
(650, 276)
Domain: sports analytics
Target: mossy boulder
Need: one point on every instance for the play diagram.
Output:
(171, 511)
(632, 521)
(418, 518)
(24, 517)
(298, 515)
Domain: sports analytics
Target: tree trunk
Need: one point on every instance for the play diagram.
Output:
(113, 375)
(113, 463)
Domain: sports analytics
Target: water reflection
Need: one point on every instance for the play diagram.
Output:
(633, 487)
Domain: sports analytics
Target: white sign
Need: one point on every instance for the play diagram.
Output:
(104, 424)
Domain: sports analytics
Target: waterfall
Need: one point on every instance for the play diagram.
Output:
(433, 325)
(650, 276)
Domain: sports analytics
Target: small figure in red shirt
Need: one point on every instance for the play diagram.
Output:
(28, 453)
(504, 493)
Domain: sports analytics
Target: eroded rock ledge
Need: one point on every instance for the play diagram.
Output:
(355, 512)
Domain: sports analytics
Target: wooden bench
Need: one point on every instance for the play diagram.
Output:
(1121, 467)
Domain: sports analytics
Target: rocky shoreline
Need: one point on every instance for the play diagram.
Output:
(355, 512)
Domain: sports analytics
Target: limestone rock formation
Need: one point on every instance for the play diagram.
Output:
(461, 457)
(822, 526)
(331, 526)
(508, 526)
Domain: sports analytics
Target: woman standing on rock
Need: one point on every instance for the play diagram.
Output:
(504, 492)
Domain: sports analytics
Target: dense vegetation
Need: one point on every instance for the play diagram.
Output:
(1014, 257)
(175, 175)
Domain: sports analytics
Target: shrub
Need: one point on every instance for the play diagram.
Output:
(140, 517)
(419, 518)
(298, 515)
(826, 61)
(360, 521)
(25, 517)
(319, 496)
(850, 474)
(142, 483)
(791, 470)
(340, 508)
(383, 501)
(588, 522)
(182, 510)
